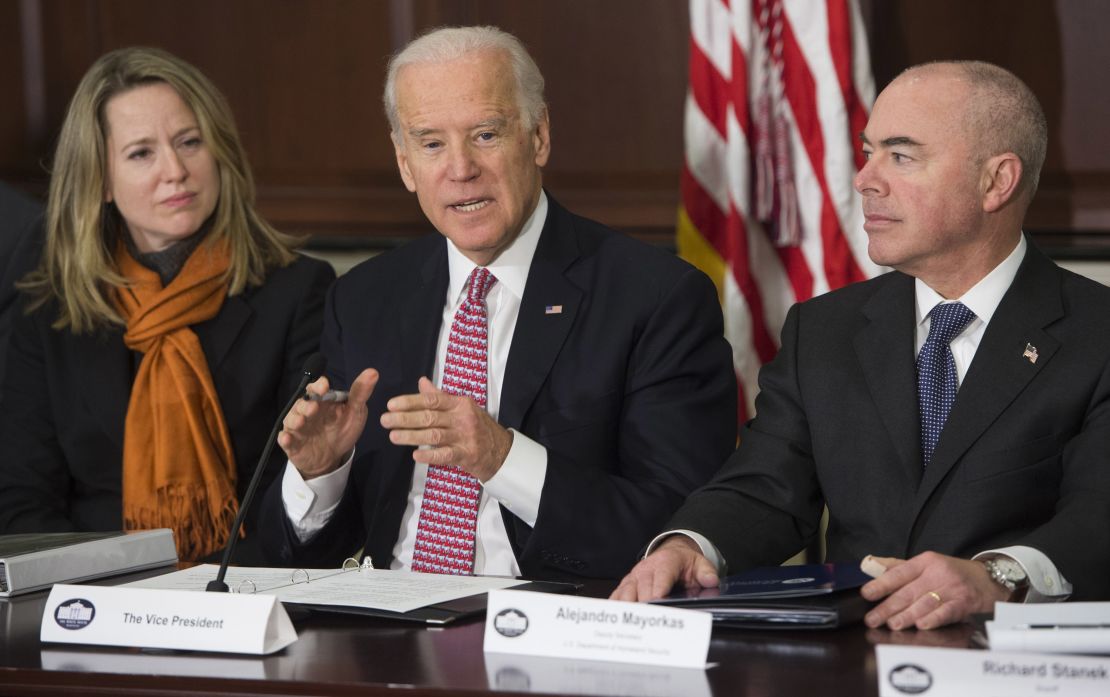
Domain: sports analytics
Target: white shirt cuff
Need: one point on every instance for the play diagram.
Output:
(518, 485)
(708, 549)
(310, 504)
(1046, 584)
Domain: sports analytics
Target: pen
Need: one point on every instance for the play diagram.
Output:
(329, 396)
(1063, 626)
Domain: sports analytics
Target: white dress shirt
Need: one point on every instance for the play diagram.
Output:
(1046, 584)
(518, 484)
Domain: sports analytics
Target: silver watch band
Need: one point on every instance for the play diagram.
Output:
(999, 576)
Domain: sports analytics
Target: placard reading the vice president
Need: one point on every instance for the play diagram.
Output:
(116, 616)
(559, 626)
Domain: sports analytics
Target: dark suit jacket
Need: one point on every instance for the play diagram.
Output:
(20, 233)
(630, 389)
(1024, 458)
(65, 399)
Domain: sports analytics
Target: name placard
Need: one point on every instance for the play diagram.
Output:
(162, 619)
(910, 670)
(561, 626)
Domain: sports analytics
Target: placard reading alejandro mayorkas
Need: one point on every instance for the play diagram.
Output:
(542, 624)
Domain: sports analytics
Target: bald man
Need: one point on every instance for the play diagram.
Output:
(954, 415)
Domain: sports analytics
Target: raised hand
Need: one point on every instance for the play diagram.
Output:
(317, 437)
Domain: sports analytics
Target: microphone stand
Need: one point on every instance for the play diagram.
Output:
(313, 366)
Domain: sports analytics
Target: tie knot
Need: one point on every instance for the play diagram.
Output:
(481, 280)
(947, 320)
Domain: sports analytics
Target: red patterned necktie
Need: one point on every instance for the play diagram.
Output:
(449, 513)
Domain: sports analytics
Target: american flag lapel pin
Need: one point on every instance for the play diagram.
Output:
(553, 310)
(1030, 353)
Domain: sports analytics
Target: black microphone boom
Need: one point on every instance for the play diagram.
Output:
(313, 366)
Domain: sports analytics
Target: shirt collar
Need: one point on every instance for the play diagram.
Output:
(510, 268)
(982, 298)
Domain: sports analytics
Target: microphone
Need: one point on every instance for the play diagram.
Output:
(313, 366)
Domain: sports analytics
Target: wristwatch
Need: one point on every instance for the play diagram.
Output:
(1008, 573)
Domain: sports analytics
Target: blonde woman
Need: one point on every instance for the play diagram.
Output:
(166, 321)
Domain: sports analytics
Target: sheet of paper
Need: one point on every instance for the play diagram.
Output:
(400, 591)
(239, 579)
(1014, 614)
(1051, 627)
(378, 589)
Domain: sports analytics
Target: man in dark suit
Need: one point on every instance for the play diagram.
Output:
(608, 387)
(19, 246)
(1000, 490)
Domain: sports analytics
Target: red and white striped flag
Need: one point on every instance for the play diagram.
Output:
(779, 92)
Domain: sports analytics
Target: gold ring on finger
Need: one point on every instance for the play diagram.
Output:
(935, 596)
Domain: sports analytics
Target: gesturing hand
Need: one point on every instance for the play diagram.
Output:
(454, 429)
(317, 436)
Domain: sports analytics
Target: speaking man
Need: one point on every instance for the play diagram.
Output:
(530, 392)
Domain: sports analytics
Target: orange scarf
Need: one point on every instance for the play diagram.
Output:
(178, 466)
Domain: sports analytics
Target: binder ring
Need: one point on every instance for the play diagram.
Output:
(239, 587)
(293, 576)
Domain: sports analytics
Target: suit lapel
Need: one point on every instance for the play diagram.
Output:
(218, 335)
(421, 314)
(1000, 371)
(885, 351)
(539, 334)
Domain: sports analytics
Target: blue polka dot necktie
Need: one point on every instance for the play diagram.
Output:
(936, 373)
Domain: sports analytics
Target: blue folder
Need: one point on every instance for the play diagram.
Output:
(808, 596)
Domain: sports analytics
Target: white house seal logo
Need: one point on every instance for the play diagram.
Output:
(510, 623)
(74, 614)
(910, 679)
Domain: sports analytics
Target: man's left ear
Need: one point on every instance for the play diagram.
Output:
(541, 139)
(1001, 179)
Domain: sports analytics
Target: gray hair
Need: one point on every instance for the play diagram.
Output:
(451, 43)
(1003, 114)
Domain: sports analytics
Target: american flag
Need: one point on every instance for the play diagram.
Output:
(779, 92)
